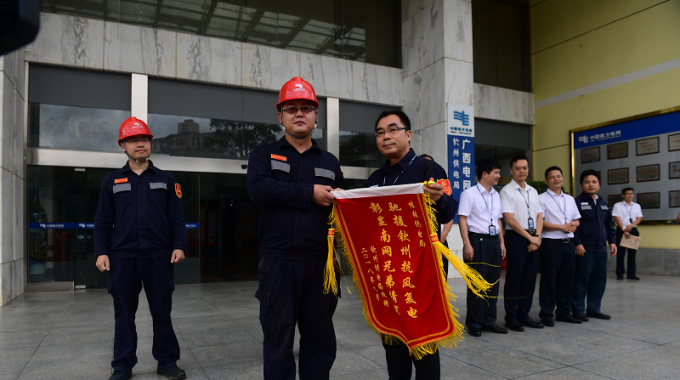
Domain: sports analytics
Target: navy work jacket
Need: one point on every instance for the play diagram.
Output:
(417, 171)
(139, 215)
(596, 227)
(282, 180)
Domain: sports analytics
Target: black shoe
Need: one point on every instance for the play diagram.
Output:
(598, 315)
(569, 319)
(531, 323)
(475, 331)
(548, 322)
(495, 329)
(120, 375)
(582, 317)
(172, 373)
(619, 278)
(633, 278)
(514, 325)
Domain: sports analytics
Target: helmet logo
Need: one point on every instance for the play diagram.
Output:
(298, 87)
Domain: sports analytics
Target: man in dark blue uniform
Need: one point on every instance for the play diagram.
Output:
(139, 234)
(292, 179)
(393, 136)
(591, 237)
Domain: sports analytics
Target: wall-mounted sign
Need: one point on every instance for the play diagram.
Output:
(614, 199)
(618, 150)
(674, 142)
(590, 155)
(674, 198)
(674, 170)
(648, 173)
(617, 176)
(649, 200)
(647, 146)
(460, 148)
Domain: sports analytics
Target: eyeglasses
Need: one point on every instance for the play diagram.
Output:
(294, 110)
(390, 131)
(135, 141)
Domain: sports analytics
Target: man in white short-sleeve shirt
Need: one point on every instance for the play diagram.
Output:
(627, 216)
(524, 219)
(479, 215)
(560, 219)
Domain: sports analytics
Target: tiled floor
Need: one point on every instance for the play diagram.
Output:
(69, 335)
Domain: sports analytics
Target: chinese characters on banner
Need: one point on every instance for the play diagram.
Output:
(395, 264)
(461, 149)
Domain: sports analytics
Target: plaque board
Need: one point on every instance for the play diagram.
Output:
(647, 146)
(674, 198)
(617, 176)
(614, 199)
(590, 155)
(618, 150)
(648, 173)
(649, 200)
(674, 142)
(674, 170)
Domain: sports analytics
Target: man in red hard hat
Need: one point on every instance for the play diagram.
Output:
(292, 179)
(139, 234)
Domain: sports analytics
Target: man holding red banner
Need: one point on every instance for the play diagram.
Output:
(393, 136)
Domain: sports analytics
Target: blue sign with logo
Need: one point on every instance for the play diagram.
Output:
(193, 226)
(461, 149)
(635, 129)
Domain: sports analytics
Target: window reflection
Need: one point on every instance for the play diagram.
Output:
(358, 149)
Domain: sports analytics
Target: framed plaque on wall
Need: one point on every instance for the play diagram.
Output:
(614, 199)
(649, 200)
(674, 142)
(617, 176)
(618, 150)
(648, 173)
(590, 155)
(674, 198)
(647, 146)
(674, 170)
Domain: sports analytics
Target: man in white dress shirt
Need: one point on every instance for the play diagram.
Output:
(560, 219)
(524, 222)
(479, 215)
(627, 216)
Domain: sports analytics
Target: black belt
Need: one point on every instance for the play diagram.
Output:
(482, 236)
(563, 241)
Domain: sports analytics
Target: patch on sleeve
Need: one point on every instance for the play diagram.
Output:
(178, 190)
(280, 158)
(120, 180)
(447, 186)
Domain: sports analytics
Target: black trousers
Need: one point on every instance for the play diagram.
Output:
(399, 364)
(291, 292)
(621, 254)
(126, 278)
(487, 261)
(557, 277)
(520, 278)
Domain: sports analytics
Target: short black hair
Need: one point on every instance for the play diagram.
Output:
(487, 166)
(427, 156)
(623, 192)
(518, 157)
(588, 172)
(548, 170)
(400, 114)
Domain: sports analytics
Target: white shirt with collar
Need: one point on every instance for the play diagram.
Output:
(482, 208)
(558, 209)
(515, 199)
(625, 212)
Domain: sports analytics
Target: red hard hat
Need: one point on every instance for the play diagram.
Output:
(133, 127)
(297, 88)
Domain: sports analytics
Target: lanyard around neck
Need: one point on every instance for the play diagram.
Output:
(402, 172)
(487, 205)
(525, 200)
(564, 212)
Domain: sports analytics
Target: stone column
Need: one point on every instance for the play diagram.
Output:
(12, 105)
(437, 61)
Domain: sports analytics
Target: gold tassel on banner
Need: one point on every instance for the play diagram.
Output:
(329, 282)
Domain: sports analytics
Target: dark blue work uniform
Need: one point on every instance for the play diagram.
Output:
(139, 222)
(413, 169)
(594, 232)
(293, 251)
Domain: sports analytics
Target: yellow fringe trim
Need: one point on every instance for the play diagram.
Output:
(330, 283)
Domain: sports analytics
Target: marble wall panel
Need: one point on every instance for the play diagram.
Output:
(411, 99)
(432, 24)
(18, 217)
(268, 68)
(433, 142)
(415, 141)
(503, 104)
(329, 76)
(18, 160)
(18, 282)
(458, 30)
(364, 82)
(6, 216)
(208, 59)
(140, 50)
(409, 8)
(390, 85)
(6, 271)
(65, 40)
(8, 64)
(458, 82)
(21, 73)
(432, 98)
(411, 41)
(7, 118)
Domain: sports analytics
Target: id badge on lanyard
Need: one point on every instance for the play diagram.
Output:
(532, 226)
(530, 221)
(492, 230)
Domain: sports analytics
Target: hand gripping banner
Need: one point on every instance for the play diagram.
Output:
(389, 235)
